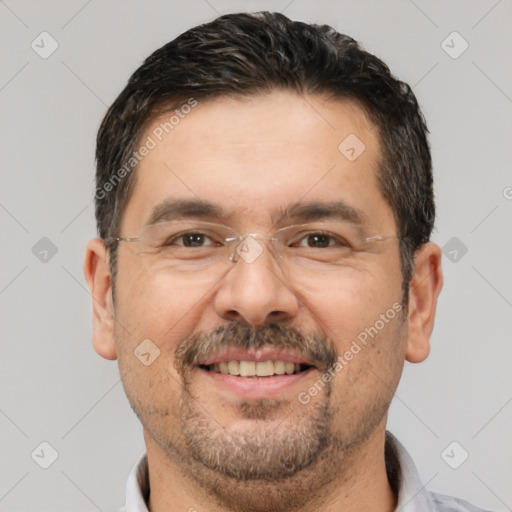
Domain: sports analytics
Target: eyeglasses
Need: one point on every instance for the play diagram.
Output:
(189, 245)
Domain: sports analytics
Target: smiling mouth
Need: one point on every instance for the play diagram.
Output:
(256, 369)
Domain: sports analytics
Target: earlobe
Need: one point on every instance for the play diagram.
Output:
(99, 280)
(425, 286)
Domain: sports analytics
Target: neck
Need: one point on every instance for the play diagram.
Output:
(359, 482)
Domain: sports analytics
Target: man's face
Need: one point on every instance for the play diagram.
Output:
(255, 157)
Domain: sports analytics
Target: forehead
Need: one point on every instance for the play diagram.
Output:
(256, 155)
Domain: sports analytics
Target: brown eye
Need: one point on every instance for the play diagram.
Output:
(193, 239)
(190, 239)
(318, 240)
(321, 240)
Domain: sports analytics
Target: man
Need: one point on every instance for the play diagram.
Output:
(264, 203)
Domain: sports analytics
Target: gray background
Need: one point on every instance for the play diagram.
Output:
(55, 388)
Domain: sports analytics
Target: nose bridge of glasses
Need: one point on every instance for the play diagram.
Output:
(248, 248)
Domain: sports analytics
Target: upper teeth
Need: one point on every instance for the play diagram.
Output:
(255, 369)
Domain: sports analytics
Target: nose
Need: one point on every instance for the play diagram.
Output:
(255, 289)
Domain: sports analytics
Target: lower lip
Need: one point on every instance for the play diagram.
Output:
(258, 388)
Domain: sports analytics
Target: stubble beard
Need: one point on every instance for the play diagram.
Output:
(281, 456)
(284, 463)
(261, 462)
(275, 439)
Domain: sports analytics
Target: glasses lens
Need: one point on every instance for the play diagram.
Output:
(331, 243)
(185, 240)
(208, 246)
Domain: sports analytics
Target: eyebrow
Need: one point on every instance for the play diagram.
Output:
(317, 210)
(171, 209)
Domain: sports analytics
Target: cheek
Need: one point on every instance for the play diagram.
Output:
(152, 301)
(153, 305)
(150, 323)
(361, 316)
(352, 302)
(153, 391)
(370, 365)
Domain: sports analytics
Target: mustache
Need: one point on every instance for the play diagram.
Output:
(314, 347)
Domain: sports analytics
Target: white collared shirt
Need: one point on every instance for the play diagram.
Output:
(412, 494)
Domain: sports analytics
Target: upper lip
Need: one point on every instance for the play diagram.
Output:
(255, 354)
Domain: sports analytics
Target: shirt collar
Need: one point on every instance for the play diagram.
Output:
(412, 493)
(402, 474)
(137, 487)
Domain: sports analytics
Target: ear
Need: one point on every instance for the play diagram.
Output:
(425, 286)
(99, 279)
